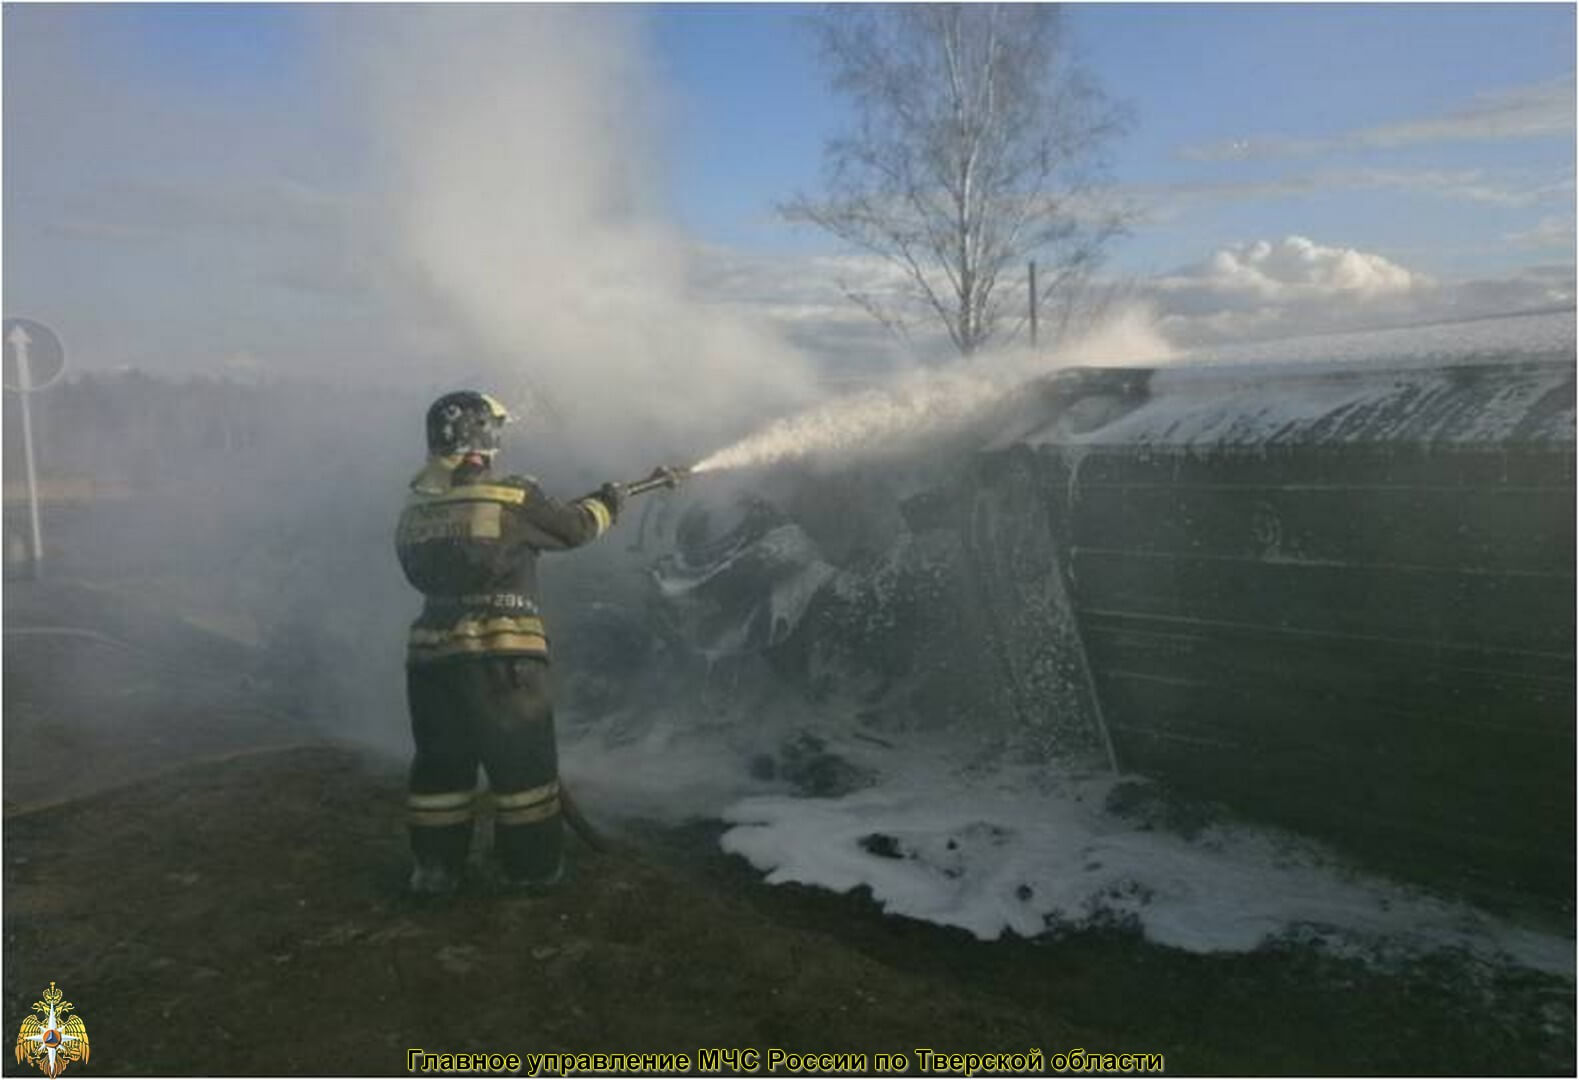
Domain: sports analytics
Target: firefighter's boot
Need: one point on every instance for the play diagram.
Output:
(528, 838)
(441, 831)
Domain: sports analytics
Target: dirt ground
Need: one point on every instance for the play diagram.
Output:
(220, 894)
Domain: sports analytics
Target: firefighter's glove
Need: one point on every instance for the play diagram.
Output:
(613, 496)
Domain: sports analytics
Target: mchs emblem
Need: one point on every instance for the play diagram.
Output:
(55, 1040)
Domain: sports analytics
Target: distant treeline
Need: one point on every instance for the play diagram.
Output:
(102, 433)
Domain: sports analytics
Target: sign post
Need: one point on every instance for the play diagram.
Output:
(33, 359)
(1033, 303)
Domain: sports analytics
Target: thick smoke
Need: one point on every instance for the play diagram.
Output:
(504, 227)
(476, 199)
(526, 191)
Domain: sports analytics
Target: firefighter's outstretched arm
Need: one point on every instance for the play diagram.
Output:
(554, 525)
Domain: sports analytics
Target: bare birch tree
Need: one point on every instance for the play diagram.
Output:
(978, 146)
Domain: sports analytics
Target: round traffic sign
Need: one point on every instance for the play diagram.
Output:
(34, 357)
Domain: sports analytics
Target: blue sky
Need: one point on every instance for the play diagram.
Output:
(757, 109)
(163, 150)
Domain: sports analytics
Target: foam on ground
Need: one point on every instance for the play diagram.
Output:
(1018, 852)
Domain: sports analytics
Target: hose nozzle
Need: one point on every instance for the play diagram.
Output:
(668, 476)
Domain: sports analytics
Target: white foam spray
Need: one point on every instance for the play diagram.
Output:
(920, 401)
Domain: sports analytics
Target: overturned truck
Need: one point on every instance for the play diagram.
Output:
(1336, 597)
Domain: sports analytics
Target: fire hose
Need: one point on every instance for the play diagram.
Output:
(662, 477)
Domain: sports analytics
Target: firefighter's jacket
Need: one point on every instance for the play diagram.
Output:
(470, 542)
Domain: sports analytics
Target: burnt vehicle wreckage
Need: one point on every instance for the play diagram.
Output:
(1333, 597)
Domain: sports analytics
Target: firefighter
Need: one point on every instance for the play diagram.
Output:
(477, 656)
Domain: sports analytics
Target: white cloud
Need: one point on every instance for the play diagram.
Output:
(1534, 288)
(1253, 291)
(1296, 286)
(1293, 270)
(1549, 232)
(1520, 112)
(1165, 202)
(1536, 110)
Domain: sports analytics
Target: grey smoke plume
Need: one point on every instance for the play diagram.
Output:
(525, 179)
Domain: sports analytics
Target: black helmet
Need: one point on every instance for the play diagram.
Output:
(465, 422)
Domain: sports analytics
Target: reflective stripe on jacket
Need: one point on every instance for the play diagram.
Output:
(470, 543)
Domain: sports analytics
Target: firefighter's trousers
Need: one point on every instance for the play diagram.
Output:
(496, 711)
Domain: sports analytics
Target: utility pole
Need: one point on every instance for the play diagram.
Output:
(1033, 303)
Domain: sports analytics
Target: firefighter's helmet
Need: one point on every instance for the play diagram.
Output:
(465, 422)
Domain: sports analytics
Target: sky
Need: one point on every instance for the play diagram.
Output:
(315, 188)
(1197, 76)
